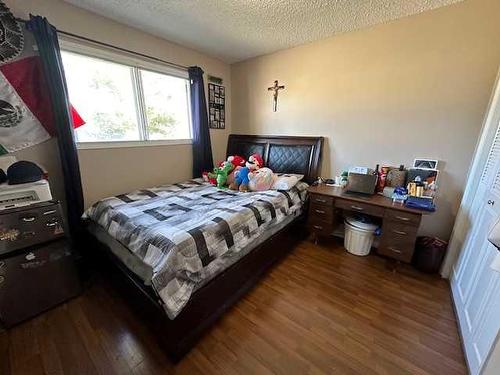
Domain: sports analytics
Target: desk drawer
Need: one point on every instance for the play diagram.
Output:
(321, 200)
(402, 217)
(396, 245)
(402, 253)
(397, 230)
(359, 207)
(394, 252)
(323, 213)
(320, 228)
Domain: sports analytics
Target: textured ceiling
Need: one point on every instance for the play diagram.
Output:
(235, 30)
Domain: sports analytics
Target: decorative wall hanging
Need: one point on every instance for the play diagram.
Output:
(26, 117)
(11, 35)
(275, 90)
(216, 106)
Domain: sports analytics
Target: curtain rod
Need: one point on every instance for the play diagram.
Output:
(179, 66)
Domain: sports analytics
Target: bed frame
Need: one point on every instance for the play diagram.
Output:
(285, 154)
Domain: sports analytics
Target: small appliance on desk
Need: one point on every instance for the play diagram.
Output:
(37, 268)
(361, 180)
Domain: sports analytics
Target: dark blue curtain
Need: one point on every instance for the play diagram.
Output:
(202, 148)
(50, 54)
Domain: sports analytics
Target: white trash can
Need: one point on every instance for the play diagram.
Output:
(358, 237)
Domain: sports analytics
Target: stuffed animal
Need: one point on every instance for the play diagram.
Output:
(243, 175)
(206, 178)
(236, 160)
(238, 163)
(262, 179)
(220, 173)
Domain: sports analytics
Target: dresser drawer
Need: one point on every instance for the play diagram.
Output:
(323, 213)
(318, 227)
(30, 225)
(321, 200)
(37, 279)
(402, 217)
(359, 207)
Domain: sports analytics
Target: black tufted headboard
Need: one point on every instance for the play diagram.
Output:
(283, 154)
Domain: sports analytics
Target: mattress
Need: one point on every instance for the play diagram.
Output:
(145, 271)
(178, 237)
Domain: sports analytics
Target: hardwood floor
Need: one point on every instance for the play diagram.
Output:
(321, 310)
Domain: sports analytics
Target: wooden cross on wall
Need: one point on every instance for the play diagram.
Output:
(276, 89)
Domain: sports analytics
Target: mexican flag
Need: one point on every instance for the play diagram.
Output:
(26, 117)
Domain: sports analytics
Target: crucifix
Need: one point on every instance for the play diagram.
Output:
(276, 89)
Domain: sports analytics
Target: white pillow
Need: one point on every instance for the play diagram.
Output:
(299, 176)
(286, 181)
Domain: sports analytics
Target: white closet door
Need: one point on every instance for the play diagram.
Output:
(475, 285)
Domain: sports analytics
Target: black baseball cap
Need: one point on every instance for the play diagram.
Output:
(22, 172)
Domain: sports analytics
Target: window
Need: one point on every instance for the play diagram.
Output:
(123, 102)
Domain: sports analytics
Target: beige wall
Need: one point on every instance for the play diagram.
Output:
(492, 364)
(415, 87)
(118, 170)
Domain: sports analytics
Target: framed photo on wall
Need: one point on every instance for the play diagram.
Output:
(216, 106)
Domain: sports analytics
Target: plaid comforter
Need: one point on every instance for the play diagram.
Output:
(188, 232)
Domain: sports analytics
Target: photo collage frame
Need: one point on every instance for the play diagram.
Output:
(216, 106)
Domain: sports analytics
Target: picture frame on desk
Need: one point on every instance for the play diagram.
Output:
(424, 163)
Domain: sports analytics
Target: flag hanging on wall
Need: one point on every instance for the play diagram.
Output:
(26, 117)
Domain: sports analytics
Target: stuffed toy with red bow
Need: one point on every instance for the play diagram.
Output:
(242, 176)
(235, 162)
(220, 174)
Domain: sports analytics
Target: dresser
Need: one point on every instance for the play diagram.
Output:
(37, 265)
(328, 206)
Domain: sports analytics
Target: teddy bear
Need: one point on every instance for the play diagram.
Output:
(243, 175)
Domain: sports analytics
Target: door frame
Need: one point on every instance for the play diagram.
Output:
(461, 227)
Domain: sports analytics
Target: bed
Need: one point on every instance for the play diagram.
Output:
(187, 251)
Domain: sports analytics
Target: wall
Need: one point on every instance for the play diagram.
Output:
(466, 212)
(118, 170)
(415, 87)
(492, 364)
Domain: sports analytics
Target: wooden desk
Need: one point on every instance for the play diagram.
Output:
(399, 223)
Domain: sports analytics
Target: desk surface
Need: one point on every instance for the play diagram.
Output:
(376, 199)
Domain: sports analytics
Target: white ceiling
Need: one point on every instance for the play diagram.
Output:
(235, 30)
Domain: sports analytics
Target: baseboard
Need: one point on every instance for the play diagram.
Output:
(457, 319)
